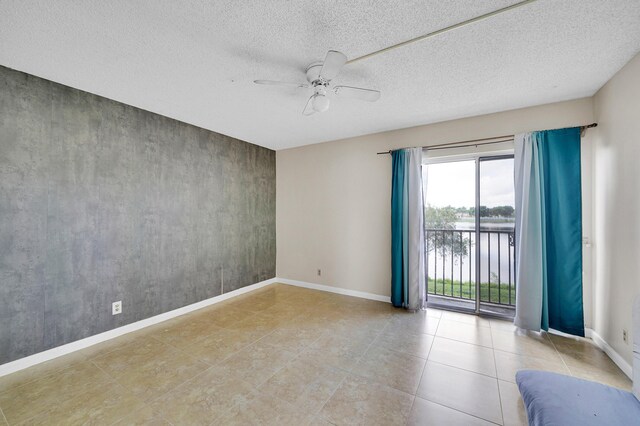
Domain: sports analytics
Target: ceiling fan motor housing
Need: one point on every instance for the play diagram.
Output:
(313, 75)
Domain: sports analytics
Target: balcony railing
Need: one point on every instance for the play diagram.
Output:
(451, 264)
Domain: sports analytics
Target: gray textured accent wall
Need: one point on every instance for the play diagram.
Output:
(101, 201)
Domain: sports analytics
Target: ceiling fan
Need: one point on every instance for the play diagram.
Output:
(319, 77)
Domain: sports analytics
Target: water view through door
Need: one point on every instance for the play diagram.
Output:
(469, 230)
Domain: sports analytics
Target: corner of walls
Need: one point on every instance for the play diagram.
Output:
(611, 353)
(587, 226)
(616, 207)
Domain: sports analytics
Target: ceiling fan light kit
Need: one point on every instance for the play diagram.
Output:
(320, 102)
(319, 77)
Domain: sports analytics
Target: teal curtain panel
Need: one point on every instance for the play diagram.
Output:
(559, 154)
(549, 231)
(399, 228)
(408, 287)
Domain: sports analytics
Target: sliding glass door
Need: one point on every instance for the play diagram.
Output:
(450, 236)
(469, 231)
(496, 229)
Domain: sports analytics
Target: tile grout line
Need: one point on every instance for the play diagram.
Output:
(181, 384)
(560, 355)
(293, 360)
(211, 366)
(414, 395)
(37, 378)
(459, 411)
(525, 355)
(347, 373)
(424, 367)
(143, 328)
(496, 378)
(413, 355)
(133, 412)
(147, 403)
(456, 409)
(329, 398)
(117, 383)
(254, 389)
(4, 417)
(457, 321)
(463, 369)
(495, 364)
(437, 326)
(355, 323)
(413, 401)
(171, 345)
(108, 379)
(463, 341)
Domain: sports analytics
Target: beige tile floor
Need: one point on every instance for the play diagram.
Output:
(286, 355)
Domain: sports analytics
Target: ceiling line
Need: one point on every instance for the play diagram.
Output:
(443, 30)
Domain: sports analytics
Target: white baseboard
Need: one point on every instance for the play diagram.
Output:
(50, 354)
(338, 290)
(615, 356)
(602, 344)
(31, 360)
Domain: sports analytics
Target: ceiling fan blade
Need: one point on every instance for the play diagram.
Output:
(333, 63)
(368, 95)
(281, 83)
(308, 109)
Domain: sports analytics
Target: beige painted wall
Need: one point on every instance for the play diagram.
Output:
(616, 205)
(332, 208)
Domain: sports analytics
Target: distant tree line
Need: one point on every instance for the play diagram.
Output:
(445, 218)
(498, 211)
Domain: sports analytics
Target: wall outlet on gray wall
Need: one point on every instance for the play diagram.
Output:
(116, 307)
(319, 272)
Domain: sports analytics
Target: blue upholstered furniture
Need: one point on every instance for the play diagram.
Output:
(556, 399)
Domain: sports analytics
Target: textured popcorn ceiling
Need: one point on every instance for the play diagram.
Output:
(195, 60)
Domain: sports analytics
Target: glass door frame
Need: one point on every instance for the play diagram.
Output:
(477, 157)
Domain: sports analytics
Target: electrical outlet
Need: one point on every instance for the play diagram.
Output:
(319, 272)
(625, 336)
(116, 307)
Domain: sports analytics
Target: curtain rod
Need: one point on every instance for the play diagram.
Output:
(478, 142)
